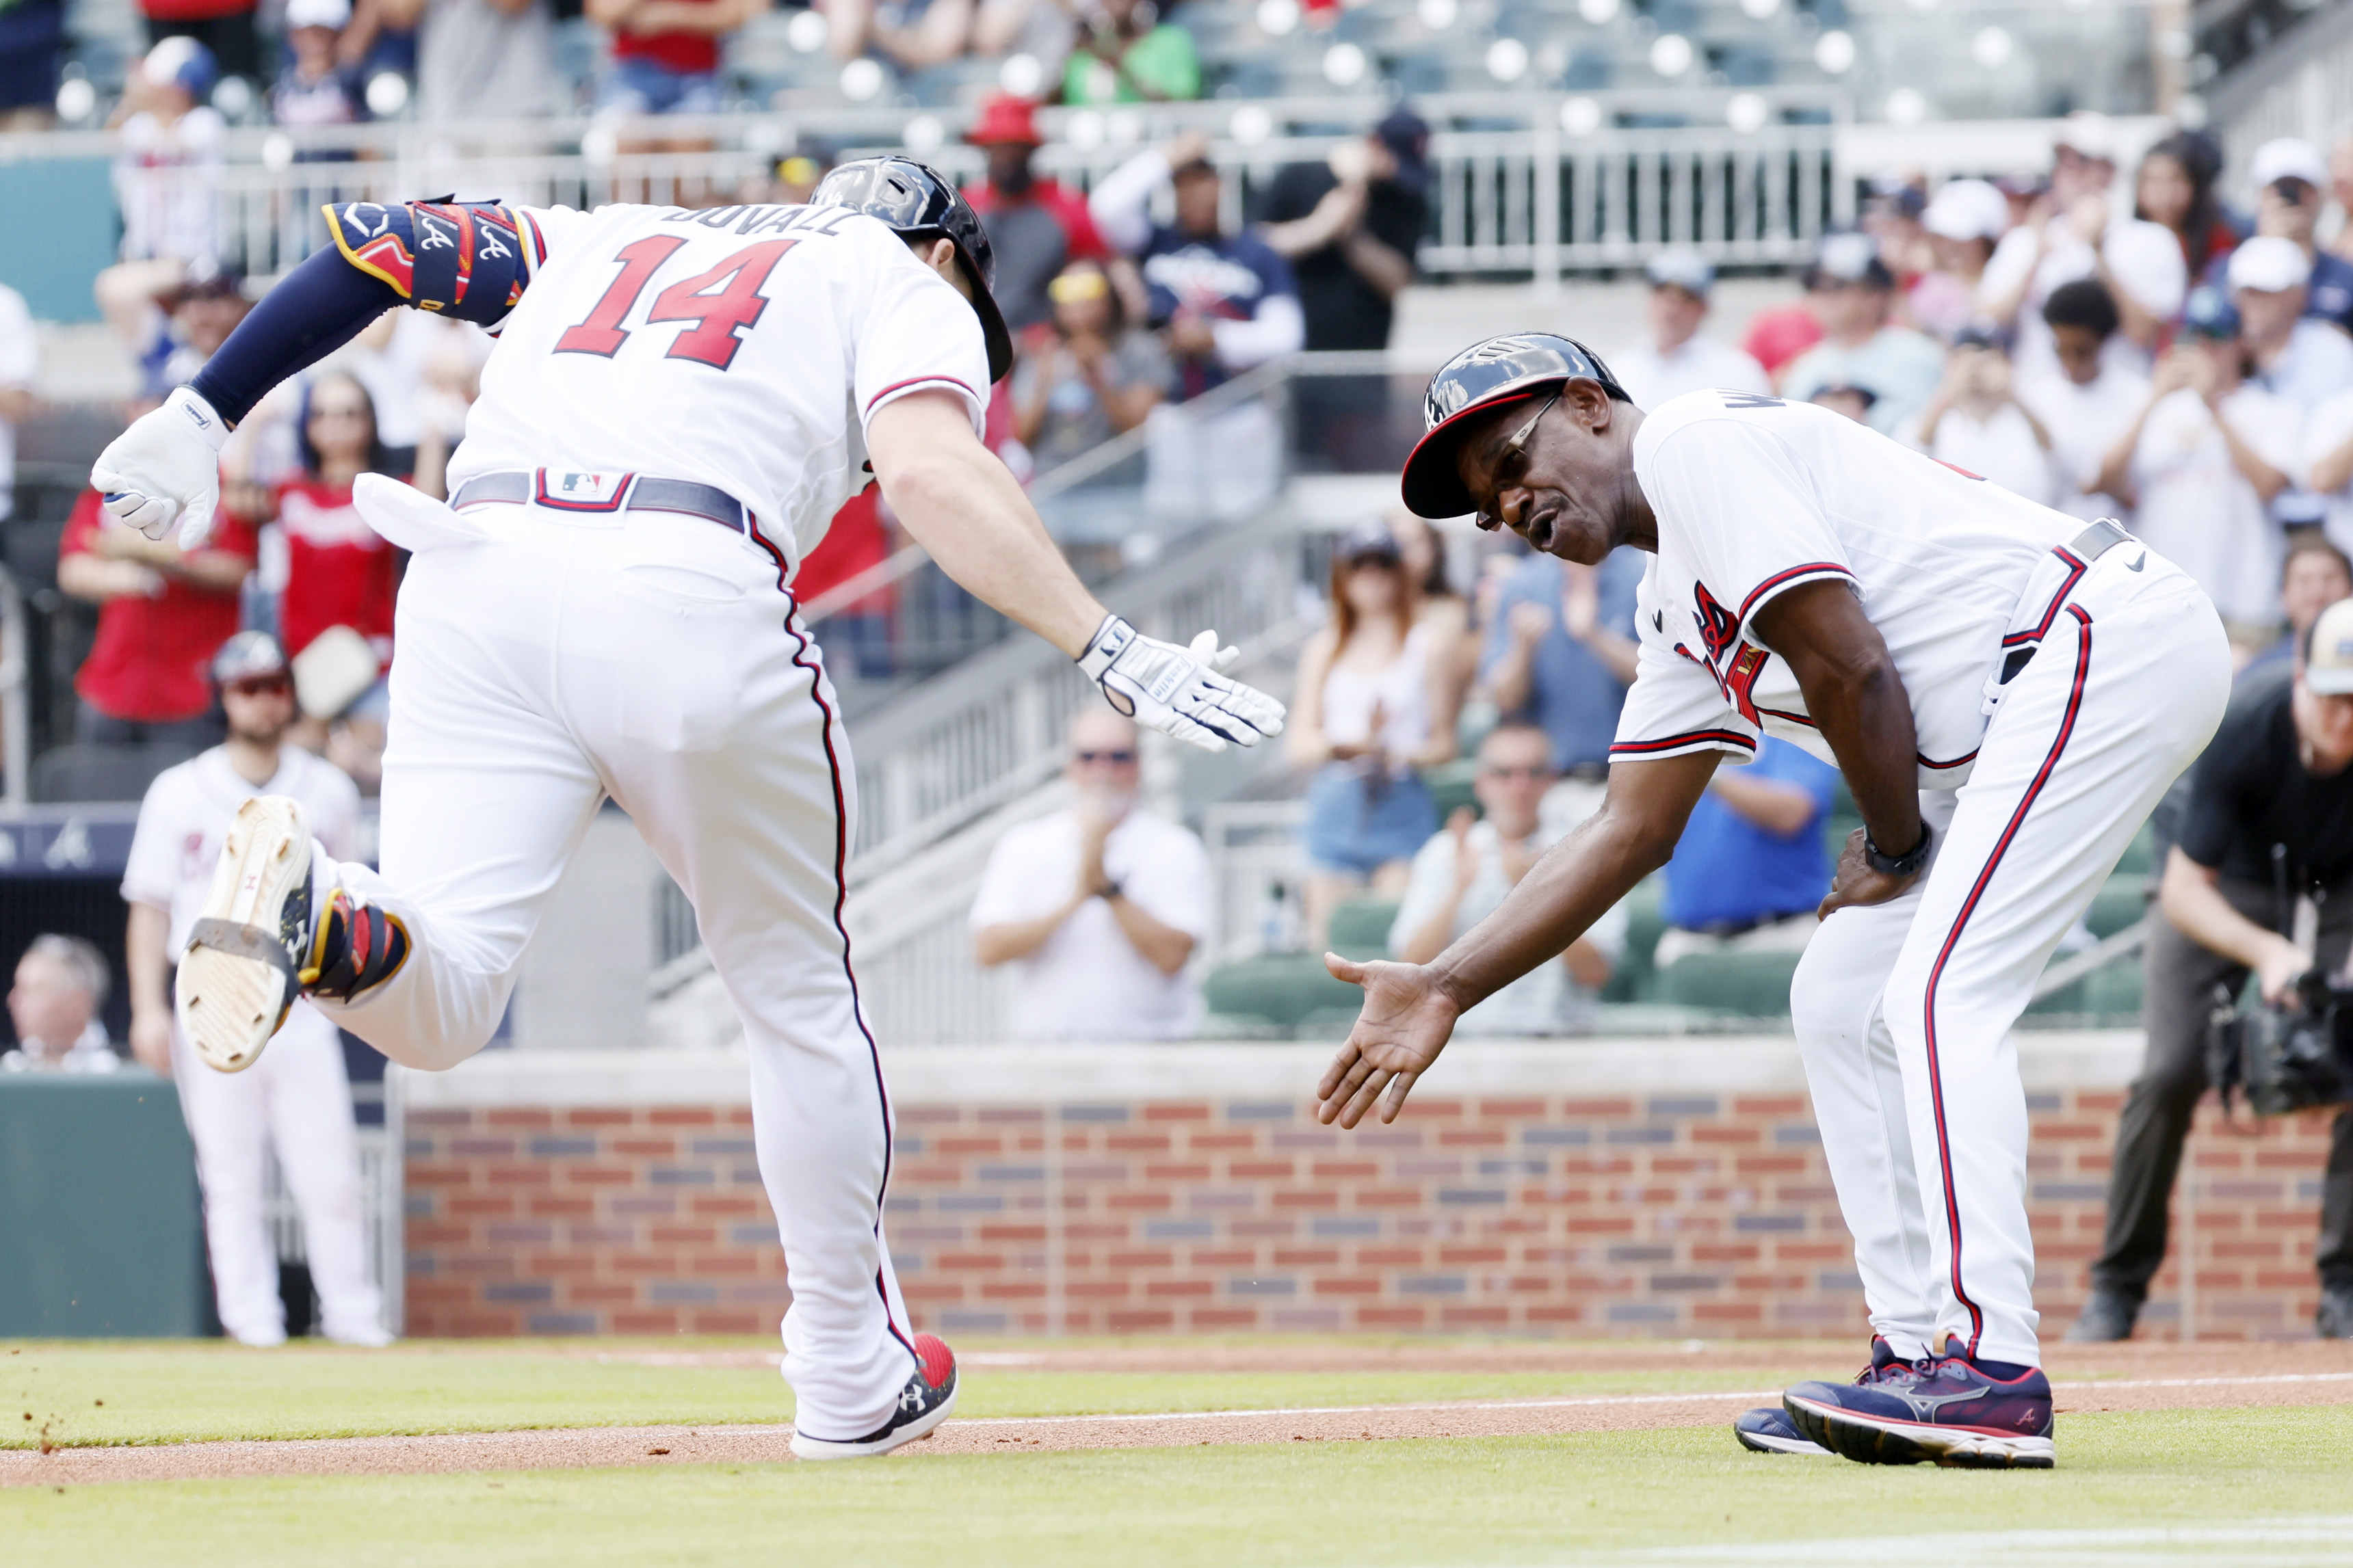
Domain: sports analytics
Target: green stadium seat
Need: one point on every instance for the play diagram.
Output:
(2122, 901)
(1752, 984)
(2113, 994)
(1280, 988)
(1450, 785)
(2140, 856)
(1645, 921)
(1360, 928)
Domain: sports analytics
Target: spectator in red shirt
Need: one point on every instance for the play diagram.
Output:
(1776, 336)
(666, 52)
(1036, 225)
(162, 613)
(339, 571)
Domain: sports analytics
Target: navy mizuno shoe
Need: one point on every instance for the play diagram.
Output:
(1767, 1430)
(1943, 1410)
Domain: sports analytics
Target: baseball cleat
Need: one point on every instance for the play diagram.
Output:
(1942, 1410)
(1767, 1430)
(924, 1403)
(237, 980)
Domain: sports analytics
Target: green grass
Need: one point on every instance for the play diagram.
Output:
(1675, 1496)
(180, 1392)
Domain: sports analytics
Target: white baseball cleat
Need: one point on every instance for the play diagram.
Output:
(924, 1403)
(239, 980)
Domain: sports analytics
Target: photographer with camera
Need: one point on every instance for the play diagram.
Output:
(2270, 818)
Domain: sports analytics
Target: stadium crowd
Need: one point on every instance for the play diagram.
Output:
(2111, 340)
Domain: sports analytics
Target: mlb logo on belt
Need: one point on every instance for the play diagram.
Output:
(575, 490)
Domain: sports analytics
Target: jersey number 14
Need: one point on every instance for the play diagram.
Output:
(720, 302)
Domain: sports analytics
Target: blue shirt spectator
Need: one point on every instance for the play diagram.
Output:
(1560, 652)
(1732, 873)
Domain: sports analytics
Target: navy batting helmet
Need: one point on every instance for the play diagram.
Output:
(911, 199)
(1483, 377)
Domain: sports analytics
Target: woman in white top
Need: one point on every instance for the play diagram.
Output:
(1375, 702)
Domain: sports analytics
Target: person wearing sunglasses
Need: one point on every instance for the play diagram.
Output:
(296, 1101)
(1470, 864)
(1375, 705)
(1099, 906)
(1917, 627)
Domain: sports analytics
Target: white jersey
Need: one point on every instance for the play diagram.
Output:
(1756, 495)
(1699, 362)
(186, 815)
(742, 347)
(2201, 512)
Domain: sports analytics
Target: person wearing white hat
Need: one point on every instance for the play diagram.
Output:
(2301, 360)
(314, 90)
(2083, 230)
(1673, 356)
(2291, 188)
(1964, 221)
(2202, 462)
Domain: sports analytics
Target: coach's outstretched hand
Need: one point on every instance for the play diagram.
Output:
(1406, 1019)
(166, 466)
(1176, 690)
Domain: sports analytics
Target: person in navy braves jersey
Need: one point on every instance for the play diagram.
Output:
(1918, 627)
(1227, 302)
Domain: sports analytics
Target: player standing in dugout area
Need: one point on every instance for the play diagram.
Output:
(678, 404)
(1923, 630)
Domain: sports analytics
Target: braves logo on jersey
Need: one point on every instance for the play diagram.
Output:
(1717, 627)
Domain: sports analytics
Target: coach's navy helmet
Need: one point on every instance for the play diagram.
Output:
(1486, 375)
(911, 199)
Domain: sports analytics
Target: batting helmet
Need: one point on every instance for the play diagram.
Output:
(912, 200)
(247, 657)
(1483, 377)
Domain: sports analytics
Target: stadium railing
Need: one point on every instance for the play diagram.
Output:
(1526, 183)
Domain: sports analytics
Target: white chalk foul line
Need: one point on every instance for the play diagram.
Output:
(1702, 1397)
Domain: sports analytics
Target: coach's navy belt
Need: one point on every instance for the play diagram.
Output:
(579, 490)
(2055, 580)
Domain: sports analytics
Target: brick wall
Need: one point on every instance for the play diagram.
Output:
(1622, 1213)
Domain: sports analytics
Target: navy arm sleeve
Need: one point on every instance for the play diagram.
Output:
(469, 260)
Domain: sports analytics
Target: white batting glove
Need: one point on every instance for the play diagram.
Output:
(166, 466)
(1179, 691)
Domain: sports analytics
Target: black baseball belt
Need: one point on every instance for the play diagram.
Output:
(577, 490)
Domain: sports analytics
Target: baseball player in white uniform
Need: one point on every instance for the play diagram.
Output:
(678, 404)
(299, 1102)
(2008, 691)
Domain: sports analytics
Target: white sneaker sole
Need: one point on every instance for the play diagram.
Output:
(230, 1005)
(818, 1448)
(1906, 1442)
(1760, 1443)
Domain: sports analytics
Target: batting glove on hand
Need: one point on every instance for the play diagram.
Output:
(1179, 691)
(166, 466)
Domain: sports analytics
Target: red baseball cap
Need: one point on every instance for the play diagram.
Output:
(1005, 118)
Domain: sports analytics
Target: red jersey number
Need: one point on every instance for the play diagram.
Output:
(721, 302)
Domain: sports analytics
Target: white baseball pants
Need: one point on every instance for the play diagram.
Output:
(296, 1101)
(1904, 1010)
(549, 660)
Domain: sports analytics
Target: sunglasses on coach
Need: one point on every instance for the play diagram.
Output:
(1121, 758)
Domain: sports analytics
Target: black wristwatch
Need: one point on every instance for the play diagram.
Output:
(1904, 865)
(1108, 888)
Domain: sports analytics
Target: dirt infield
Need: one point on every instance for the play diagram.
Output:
(2088, 1378)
